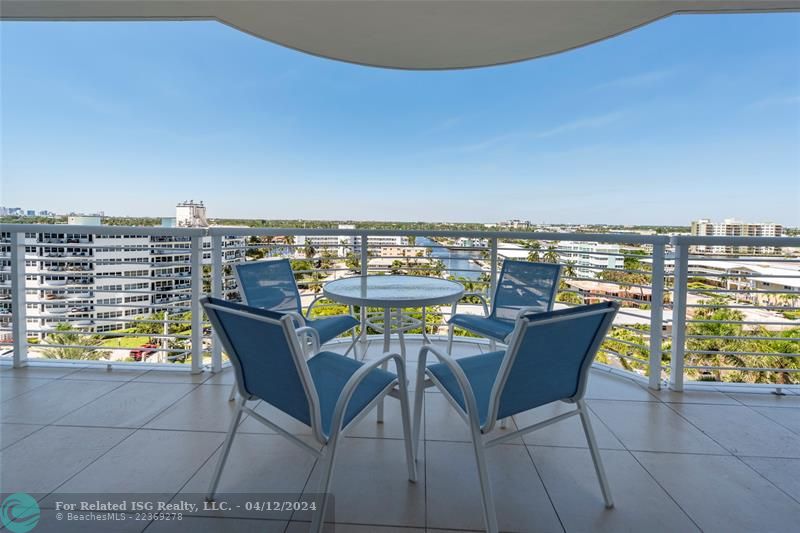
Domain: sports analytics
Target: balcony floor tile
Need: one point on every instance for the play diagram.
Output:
(454, 498)
(217, 525)
(788, 418)
(742, 430)
(722, 494)
(46, 404)
(11, 433)
(767, 399)
(568, 432)
(202, 409)
(131, 405)
(44, 460)
(640, 503)
(784, 473)
(12, 387)
(149, 461)
(651, 426)
(370, 484)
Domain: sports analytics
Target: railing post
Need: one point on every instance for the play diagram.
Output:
(656, 315)
(18, 314)
(493, 271)
(679, 316)
(197, 312)
(364, 254)
(217, 275)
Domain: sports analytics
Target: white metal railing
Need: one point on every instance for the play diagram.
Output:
(674, 290)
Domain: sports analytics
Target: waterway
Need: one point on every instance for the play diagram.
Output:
(458, 263)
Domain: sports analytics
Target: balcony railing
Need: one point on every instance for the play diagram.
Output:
(724, 310)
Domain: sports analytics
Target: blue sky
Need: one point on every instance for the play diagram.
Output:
(692, 116)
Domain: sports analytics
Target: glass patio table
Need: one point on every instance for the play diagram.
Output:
(392, 293)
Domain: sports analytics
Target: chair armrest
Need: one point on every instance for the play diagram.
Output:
(298, 319)
(308, 330)
(461, 378)
(525, 310)
(312, 304)
(353, 383)
(484, 302)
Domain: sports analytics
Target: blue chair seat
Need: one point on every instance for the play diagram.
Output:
(330, 372)
(490, 327)
(481, 371)
(330, 327)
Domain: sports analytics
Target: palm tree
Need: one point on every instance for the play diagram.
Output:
(569, 269)
(551, 255)
(73, 345)
(534, 247)
(309, 251)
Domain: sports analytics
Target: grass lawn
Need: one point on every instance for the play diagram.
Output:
(125, 342)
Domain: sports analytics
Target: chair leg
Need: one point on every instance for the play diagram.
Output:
(492, 345)
(232, 395)
(419, 395)
(504, 423)
(598, 463)
(324, 486)
(407, 433)
(489, 514)
(450, 329)
(353, 345)
(226, 448)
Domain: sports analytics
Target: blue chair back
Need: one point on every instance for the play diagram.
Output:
(549, 357)
(525, 284)
(268, 284)
(265, 355)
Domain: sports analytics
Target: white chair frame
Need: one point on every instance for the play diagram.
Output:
(479, 433)
(327, 453)
(300, 325)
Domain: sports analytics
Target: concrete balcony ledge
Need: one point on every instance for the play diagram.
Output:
(700, 460)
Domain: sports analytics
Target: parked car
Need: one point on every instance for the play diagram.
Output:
(143, 352)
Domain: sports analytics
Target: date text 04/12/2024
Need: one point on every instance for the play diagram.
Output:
(186, 507)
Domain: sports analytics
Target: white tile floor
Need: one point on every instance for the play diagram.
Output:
(701, 460)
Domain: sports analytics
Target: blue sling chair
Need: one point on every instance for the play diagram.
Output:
(523, 287)
(328, 392)
(547, 360)
(270, 284)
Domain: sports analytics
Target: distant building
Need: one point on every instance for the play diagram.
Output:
(30, 213)
(590, 258)
(343, 244)
(515, 223)
(103, 282)
(734, 228)
(191, 215)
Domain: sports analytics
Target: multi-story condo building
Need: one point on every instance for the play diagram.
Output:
(342, 244)
(734, 228)
(590, 257)
(98, 282)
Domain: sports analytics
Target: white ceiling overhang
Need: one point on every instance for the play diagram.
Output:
(408, 34)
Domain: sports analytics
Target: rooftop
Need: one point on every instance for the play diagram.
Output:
(78, 429)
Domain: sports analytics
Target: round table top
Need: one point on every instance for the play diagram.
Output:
(393, 291)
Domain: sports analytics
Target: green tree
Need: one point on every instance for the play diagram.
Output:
(535, 248)
(73, 345)
(551, 255)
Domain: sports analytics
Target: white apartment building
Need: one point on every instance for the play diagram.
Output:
(735, 228)
(590, 257)
(98, 282)
(343, 244)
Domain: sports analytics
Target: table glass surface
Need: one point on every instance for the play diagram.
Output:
(393, 290)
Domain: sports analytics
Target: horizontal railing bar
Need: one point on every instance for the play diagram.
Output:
(743, 369)
(753, 354)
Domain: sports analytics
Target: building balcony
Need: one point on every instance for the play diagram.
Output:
(701, 460)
